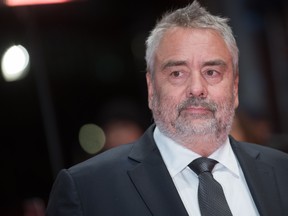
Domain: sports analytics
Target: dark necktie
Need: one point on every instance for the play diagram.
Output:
(211, 197)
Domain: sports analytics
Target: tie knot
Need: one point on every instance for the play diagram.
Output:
(202, 164)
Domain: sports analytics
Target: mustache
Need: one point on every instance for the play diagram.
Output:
(198, 102)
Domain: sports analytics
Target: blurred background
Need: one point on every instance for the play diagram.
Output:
(72, 83)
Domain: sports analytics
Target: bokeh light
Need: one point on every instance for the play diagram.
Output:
(15, 63)
(91, 138)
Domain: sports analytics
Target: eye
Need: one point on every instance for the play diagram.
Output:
(211, 72)
(176, 73)
(213, 76)
(177, 76)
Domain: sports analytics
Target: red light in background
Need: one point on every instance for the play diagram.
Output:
(32, 2)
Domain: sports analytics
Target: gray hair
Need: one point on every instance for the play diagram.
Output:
(191, 16)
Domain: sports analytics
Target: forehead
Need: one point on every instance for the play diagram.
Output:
(188, 44)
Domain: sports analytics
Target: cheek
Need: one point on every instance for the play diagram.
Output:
(162, 101)
(224, 97)
(224, 91)
(169, 98)
(165, 108)
(165, 95)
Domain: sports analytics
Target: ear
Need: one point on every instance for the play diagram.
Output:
(149, 88)
(235, 90)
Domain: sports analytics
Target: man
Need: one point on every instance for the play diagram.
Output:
(192, 78)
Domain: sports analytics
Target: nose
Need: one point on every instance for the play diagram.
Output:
(197, 86)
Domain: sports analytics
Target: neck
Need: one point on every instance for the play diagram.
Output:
(203, 145)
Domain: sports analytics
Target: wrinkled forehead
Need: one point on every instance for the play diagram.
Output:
(181, 44)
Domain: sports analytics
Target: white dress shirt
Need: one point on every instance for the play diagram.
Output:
(227, 172)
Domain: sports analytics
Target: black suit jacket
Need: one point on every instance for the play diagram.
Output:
(132, 180)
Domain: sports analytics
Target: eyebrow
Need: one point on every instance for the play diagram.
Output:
(173, 64)
(216, 62)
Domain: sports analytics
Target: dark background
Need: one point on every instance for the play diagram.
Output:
(86, 54)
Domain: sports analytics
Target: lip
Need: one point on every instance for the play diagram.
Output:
(197, 110)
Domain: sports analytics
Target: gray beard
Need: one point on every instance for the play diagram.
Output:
(213, 129)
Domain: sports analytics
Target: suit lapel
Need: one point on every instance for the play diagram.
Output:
(260, 179)
(155, 186)
(152, 179)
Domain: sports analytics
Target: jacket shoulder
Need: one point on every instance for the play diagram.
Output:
(266, 153)
(112, 159)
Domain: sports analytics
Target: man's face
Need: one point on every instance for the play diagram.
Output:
(194, 91)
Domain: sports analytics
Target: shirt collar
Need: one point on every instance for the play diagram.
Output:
(177, 157)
